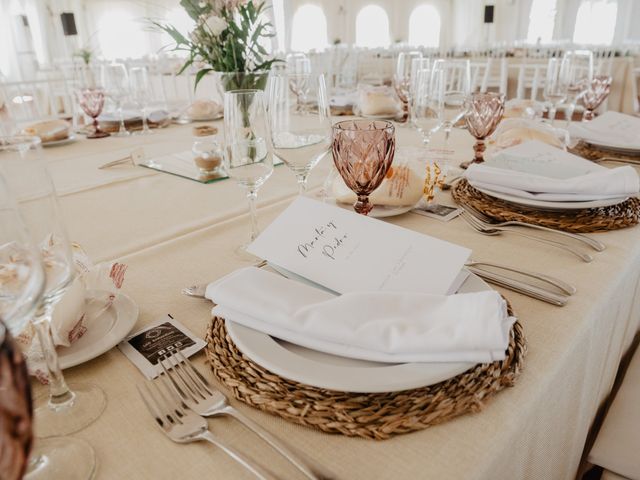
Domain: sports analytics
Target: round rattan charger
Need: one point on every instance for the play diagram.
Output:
(370, 415)
(602, 219)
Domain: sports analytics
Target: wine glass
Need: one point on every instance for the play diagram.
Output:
(115, 80)
(300, 139)
(22, 286)
(248, 157)
(418, 65)
(577, 69)
(141, 93)
(450, 85)
(426, 114)
(65, 410)
(598, 91)
(363, 151)
(298, 65)
(92, 101)
(402, 81)
(483, 113)
(555, 87)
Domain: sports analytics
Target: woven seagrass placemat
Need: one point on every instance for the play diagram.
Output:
(370, 415)
(591, 152)
(602, 219)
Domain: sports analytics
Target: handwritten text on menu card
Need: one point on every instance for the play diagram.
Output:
(344, 251)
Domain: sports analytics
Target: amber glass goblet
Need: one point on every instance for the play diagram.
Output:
(363, 151)
(597, 93)
(483, 112)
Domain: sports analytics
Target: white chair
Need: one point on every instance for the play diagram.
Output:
(28, 101)
(635, 92)
(617, 446)
(531, 77)
(489, 75)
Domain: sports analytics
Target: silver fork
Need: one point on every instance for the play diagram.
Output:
(491, 230)
(182, 425)
(197, 393)
(595, 244)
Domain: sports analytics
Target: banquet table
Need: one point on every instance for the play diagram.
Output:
(173, 232)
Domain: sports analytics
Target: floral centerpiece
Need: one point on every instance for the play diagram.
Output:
(226, 39)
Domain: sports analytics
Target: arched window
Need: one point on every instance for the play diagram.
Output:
(596, 22)
(309, 29)
(372, 27)
(542, 17)
(424, 26)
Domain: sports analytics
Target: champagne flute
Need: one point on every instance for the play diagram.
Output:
(141, 93)
(248, 157)
(300, 139)
(577, 69)
(22, 285)
(450, 85)
(299, 65)
(402, 80)
(418, 65)
(555, 87)
(64, 411)
(425, 106)
(115, 80)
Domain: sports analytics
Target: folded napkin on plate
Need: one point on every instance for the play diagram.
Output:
(388, 327)
(562, 176)
(611, 128)
(74, 314)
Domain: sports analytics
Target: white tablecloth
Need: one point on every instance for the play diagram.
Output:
(174, 232)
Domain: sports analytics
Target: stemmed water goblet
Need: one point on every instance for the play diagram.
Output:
(115, 80)
(483, 112)
(64, 410)
(555, 87)
(363, 151)
(402, 81)
(23, 287)
(596, 93)
(450, 86)
(248, 156)
(577, 69)
(299, 139)
(92, 101)
(141, 93)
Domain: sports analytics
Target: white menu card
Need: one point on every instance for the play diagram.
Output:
(346, 252)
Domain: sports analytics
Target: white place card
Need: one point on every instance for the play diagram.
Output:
(347, 252)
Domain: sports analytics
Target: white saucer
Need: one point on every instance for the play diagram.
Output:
(339, 373)
(56, 143)
(105, 332)
(552, 206)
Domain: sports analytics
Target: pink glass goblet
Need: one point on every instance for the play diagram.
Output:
(483, 114)
(363, 151)
(597, 93)
(92, 101)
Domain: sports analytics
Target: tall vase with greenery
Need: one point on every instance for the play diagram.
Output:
(226, 40)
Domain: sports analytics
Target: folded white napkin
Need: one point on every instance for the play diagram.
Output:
(538, 171)
(611, 129)
(391, 327)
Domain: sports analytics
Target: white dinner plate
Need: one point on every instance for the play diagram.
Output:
(339, 373)
(554, 206)
(105, 332)
(55, 143)
(380, 211)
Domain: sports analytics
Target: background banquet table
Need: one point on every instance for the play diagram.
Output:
(174, 232)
